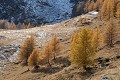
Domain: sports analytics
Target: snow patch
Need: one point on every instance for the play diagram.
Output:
(90, 14)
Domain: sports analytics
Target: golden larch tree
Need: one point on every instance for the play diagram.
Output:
(29, 26)
(33, 60)
(109, 34)
(118, 13)
(91, 6)
(55, 45)
(47, 51)
(26, 50)
(13, 26)
(108, 9)
(86, 6)
(118, 9)
(82, 51)
(96, 38)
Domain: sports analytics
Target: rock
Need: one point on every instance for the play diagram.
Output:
(2, 37)
(14, 58)
(100, 60)
(117, 57)
(105, 77)
(78, 9)
(36, 11)
(106, 60)
(9, 52)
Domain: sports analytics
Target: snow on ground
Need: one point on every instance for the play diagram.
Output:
(90, 14)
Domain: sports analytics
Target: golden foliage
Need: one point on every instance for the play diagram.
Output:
(43, 59)
(96, 39)
(81, 48)
(108, 9)
(26, 49)
(48, 52)
(29, 26)
(118, 13)
(109, 34)
(93, 5)
(33, 60)
(118, 9)
(55, 45)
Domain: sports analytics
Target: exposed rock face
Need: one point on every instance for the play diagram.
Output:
(36, 11)
(39, 11)
(78, 9)
(8, 52)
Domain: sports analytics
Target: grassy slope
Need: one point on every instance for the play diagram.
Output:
(61, 69)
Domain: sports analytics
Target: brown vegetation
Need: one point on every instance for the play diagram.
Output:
(108, 9)
(55, 46)
(12, 26)
(110, 34)
(26, 50)
(82, 49)
(93, 5)
(48, 52)
(96, 39)
(33, 60)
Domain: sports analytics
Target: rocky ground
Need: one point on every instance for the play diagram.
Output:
(106, 68)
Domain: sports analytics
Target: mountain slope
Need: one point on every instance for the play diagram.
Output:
(61, 68)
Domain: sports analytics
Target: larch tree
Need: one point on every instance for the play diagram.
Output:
(87, 6)
(26, 50)
(108, 9)
(91, 6)
(43, 58)
(24, 26)
(118, 13)
(96, 38)
(98, 4)
(19, 25)
(13, 26)
(82, 51)
(118, 9)
(33, 60)
(48, 52)
(109, 34)
(55, 45)
(29, 26)
(103, 10)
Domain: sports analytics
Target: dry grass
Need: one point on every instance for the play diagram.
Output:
(61, 69)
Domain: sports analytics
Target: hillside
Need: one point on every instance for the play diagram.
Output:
(36, 11)
(61, 69)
